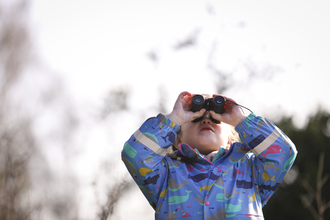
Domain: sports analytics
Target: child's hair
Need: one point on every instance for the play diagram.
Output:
(233, 136)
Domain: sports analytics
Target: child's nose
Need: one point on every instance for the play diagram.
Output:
(206, 118)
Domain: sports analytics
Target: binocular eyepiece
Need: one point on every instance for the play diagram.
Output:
(216, 104)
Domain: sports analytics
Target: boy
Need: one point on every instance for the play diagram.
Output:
(208, 176)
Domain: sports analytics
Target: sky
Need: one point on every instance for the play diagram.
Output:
(97, 46)
(91, 42)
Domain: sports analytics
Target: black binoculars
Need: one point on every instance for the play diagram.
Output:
(217, 104)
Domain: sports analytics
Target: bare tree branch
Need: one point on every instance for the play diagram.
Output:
(322, 205)
(113, 197)
(308, 205)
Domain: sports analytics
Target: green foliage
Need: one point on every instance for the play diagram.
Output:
(311, 142)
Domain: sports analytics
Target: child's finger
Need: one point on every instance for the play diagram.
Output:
(183, 94)
(198, 114)
(216, 116)
(201, 112)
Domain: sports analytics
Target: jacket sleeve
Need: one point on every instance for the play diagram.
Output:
(143, 154)
(274, 153)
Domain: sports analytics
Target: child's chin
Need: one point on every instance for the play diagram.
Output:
(207, 147)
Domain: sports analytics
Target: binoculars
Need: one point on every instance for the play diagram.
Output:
(217, 104)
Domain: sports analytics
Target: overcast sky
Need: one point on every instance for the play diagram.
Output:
(99, 45)
(91, 42)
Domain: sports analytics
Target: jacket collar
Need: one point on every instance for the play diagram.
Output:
(191, 154)
(235, 153)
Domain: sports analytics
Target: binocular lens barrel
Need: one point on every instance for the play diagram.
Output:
(197, 103)
(219, 100)
(218, 104)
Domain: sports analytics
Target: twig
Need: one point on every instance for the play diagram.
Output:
(113, 197)
(322, 205)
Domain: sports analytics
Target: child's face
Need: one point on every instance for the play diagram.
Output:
(205, 135)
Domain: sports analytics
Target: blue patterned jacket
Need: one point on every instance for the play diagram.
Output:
(236, 185)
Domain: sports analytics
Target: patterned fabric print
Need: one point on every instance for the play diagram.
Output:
(235, 186)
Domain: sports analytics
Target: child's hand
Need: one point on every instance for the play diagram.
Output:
(181, 113)
(233, 114)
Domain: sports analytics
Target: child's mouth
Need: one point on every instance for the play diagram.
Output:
(206, 128)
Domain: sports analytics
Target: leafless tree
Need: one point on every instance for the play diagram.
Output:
(19, 144)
